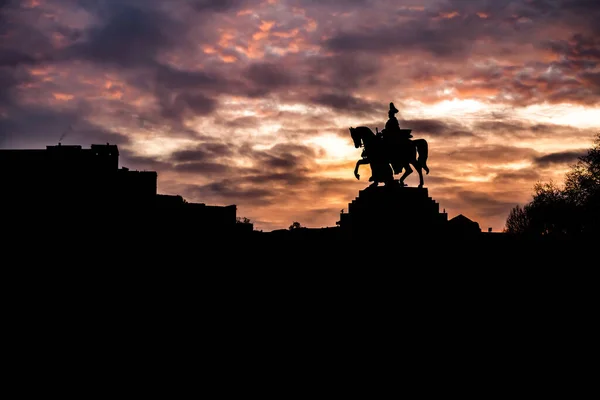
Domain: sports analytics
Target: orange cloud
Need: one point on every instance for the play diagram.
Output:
(474, 91)
(449, 15)
(228, 59)
(208, 49)
(38, 71)
(226, 37)
(260, 35)
(290, 34)
(62, 96)
(266, 26)
(264, 29)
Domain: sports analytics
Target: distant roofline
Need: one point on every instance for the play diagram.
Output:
(68, 146)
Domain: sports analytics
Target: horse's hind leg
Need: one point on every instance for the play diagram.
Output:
(419, 170)
(407, 171)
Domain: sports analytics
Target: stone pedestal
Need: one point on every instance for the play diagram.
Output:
(393, 210)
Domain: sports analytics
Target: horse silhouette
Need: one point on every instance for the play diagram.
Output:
(380, 152)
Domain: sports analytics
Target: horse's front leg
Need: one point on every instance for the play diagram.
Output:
(358, 164)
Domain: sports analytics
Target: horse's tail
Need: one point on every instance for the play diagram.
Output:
(423, 150)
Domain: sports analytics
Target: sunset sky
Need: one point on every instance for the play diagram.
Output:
(249, 102)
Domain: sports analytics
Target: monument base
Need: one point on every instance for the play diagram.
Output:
(393, 210)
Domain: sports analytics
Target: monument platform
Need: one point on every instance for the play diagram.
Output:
(393, 209)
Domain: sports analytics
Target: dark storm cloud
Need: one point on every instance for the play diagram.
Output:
(171, 78)
(130, 35)
(209, 159)
(38, 126)
(281, 159)
(22, 41)
(580, 55)
(436, 127)
(518, 129)
(564, 157)
(207, 169)
(593, 79)
(290, 179)
(328, 3)
(183, 104)
(492, 153)
(9, 79)
(132, 160)
(221, 6)
(577, 47)
(12, 58)
(524, 175)
(285, 163)
(282, 165)
(279, 150)
(267, 77)
(288, 162)
(344, 103)
(582, 13)
(203, 152)
(187, 93)
(342, 71)
(449, 38)
(232, 190)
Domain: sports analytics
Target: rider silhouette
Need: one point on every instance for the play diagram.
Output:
(392, 126)
(395, 140)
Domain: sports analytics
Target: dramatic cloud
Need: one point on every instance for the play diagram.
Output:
(249, 102)
(564, 157)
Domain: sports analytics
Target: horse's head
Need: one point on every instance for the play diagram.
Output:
(355, 133)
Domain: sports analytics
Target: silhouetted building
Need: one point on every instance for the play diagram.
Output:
(69, 178)
(84, 190)
(62, 158)
(461, 225)
(322, 235)
(172, 211)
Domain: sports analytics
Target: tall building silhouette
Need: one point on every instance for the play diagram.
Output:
(67, 178)
(85, 189)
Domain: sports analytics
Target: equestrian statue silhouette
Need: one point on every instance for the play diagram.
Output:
(390, 151)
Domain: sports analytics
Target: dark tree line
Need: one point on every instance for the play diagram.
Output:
(569, 212)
